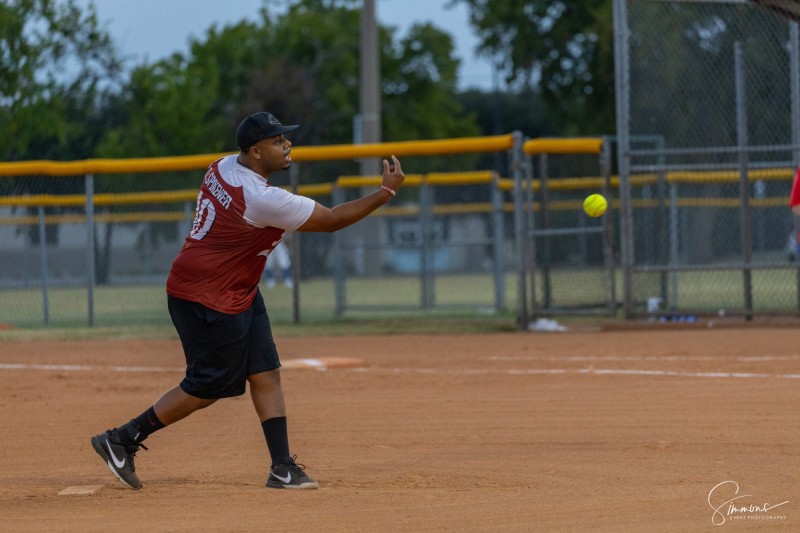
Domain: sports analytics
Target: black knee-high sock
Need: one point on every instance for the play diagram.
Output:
(140, 427)
(277, 438)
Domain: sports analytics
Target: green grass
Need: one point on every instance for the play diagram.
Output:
(774, 290)
(386, 305)
(348, 326)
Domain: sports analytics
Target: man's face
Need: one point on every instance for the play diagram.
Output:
(273, 153)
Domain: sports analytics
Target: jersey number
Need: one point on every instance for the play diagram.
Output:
(204, 219)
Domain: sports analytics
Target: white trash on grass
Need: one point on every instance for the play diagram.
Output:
(546, 324)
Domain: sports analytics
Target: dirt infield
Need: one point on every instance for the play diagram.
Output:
(603, 431)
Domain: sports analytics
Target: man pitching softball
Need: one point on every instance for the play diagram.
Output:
(214, 300)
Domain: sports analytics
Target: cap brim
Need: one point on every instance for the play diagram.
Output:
(279, 131)
(255, 129)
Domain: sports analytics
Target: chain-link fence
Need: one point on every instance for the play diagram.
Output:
(96, 246)
(446, 231)
(708, 141)
(571, 255)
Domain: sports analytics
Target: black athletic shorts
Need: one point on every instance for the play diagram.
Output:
(222, 349)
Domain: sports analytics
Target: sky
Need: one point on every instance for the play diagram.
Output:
(152, 29)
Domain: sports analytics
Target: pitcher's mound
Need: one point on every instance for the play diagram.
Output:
(324, 363)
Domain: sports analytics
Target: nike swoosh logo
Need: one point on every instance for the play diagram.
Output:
(117, 462)
(287, 479)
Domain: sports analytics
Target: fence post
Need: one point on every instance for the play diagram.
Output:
(498, 238)
(608, 227)
(90, 248)
(43, 263)
(544, 218)
(520, 230)
(530, 229)
(622, 87)
(663, 219)
(426, 232)
(185, 225)
(339, 268)
(294, 250)
(744, 185)
(794, 71)
(674, 249)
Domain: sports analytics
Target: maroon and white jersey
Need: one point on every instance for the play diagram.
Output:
(239, 219)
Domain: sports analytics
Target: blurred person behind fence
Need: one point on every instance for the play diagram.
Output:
(278, 259)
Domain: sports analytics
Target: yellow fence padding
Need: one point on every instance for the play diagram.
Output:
(496, 143)
(579, 145)
(354, 182)
(461, 178)
(108, 166)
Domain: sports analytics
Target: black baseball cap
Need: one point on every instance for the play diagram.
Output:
(259, 126)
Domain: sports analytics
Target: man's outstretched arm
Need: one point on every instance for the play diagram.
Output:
(325, 219)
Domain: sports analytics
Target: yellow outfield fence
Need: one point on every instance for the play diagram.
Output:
(47, 226)
(577, 184)
(513, 225)
(588, 145)
(425, 234)
(300, 154)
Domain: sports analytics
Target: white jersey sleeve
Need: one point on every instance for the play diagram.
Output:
(277, 208)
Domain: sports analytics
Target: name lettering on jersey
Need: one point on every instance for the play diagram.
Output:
(217, 190)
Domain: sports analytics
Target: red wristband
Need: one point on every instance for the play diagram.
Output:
(389, 190)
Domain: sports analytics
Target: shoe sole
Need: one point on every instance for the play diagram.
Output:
(98, 447)
(302, 486)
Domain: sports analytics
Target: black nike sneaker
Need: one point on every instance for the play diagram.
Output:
(290, 475)
(118, 457)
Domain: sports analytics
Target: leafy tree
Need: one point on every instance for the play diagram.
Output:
(56, 67)
(561, 49)
(313, 72)
(168, 110)
(420, 83)
(504, 112)
(57, 70)
(686, 52)
(303, 67)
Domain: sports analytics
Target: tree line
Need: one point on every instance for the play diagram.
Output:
(66, 91)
